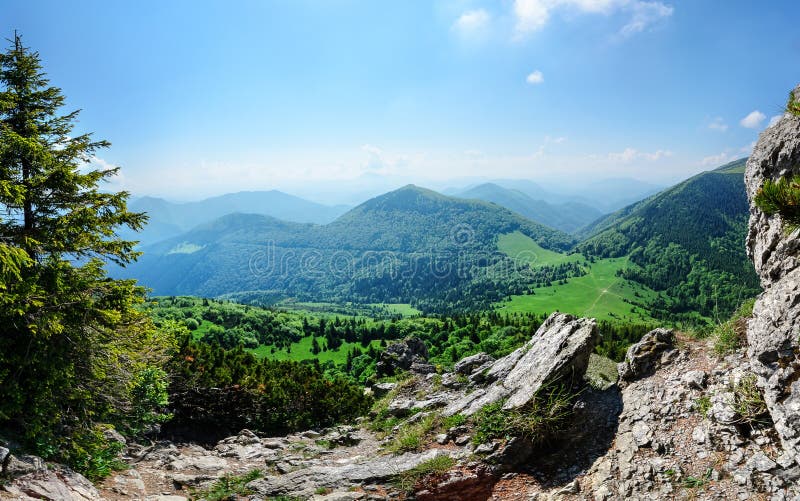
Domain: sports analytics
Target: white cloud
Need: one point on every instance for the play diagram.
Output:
(630, 154)
(715, 160)
(718, 124)
(644, 15)
(532, 15)
(556, 140)
(472, 21)
(535, 78)
(774, 120)
(753, 119)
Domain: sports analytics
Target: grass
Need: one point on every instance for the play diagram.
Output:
(228, 487)
(728, 336)
(436, 466)
(367, 310)
(523, 248)
(412, 436)
(600, 294)
(749, 403)
(703, 405)
(691, 482)
(538, 421)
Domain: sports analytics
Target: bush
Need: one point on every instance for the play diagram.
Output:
(92, 453)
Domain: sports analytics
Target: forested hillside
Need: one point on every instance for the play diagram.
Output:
(686, 241)
(408, 246)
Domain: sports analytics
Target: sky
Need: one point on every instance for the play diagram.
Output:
(319, 98)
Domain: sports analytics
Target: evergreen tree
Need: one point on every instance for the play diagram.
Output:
(74, 351)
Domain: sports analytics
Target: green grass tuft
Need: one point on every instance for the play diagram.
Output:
(228, 487)
(436, 466)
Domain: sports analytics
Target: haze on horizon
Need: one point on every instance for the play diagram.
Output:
(342, 98)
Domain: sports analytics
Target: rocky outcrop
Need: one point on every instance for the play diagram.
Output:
(29, 478)
(773, 334)
(644, 357)
(410, 354)
(558, 351)
(681, 436)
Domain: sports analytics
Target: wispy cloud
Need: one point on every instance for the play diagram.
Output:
(535, 78)
(753, 120)
(645, 14)
(718, 124)
(630, 154)
(532, 15)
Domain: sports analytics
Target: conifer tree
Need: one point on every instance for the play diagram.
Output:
(74, 351)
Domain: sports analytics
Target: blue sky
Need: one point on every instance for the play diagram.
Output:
(200, 98)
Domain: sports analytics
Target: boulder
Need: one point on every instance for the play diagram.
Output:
(558, 351)
(58, 484)
(467, 366)
(644, 357)
(774, 331)
(402, 356)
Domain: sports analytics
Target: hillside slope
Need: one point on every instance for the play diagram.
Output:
(686, 241)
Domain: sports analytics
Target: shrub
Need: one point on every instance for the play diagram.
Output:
(92, 454)
(781, 197)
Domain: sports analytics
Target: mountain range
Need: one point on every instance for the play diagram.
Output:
(438, 252)
(167, 219)
(567, 216)
(411, 245)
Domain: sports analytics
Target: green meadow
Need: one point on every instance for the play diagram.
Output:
(600, 293)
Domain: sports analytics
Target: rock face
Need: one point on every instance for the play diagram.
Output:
(559, 350)
(774, 331)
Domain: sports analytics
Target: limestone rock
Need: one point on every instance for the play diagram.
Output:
(559, 350)
(59, 484)
(644, 357)
(773, 332)
(467, 366)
